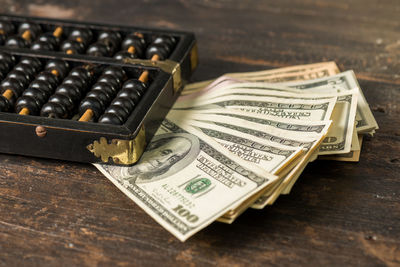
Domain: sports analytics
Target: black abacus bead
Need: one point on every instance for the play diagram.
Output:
(98, 50)
(19, 75)
(49, 38)
(16, 42)
(85, 35)
(111, 39)
(3, 38)
(101, 96)
(39, 95)
(132, 94)
(7, 27)
(49, 77)
(72, 91)
(109, 34)
(116, 71)
(8, 59)
(135, 84)
(112, 46)
(42, 46)
(110, 118)
(168, 40)
(135, 41)
(76, 81)
(117, 110)
(91, 103)
(42, 86)
(4, 104)
(31, 61)
(61, 66)
(73, 45)
(34, 29)
(104, 87)
(157, 49)
(64, 100)
(108, 78)
(121, 55)
(116, 36)
(82, 73)
(125, 103)
(54, 110)
(29, 70)
(4, 68)
(31, 103)
(14, 85)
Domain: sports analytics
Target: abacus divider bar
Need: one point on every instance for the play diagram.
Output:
(145, 74)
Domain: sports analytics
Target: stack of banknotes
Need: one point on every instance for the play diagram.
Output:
(241, 141)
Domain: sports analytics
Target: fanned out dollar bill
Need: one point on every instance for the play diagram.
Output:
(242, 140)
(339, 138)
(185, 180)
(366, 122)
(270, 155)
(248, 137)
(285, 74)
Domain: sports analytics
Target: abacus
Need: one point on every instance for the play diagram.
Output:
(87, 92)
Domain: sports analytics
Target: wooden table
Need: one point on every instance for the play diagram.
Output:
(338, 213)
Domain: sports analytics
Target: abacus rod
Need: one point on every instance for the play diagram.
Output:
(24, 111)
(58, 32)
(26, 35)
(131, 49)
(138, 34)
(8, 94)
(87, 115)
(54, 72)
(145, 74)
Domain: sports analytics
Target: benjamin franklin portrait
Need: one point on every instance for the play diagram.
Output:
(165, 155)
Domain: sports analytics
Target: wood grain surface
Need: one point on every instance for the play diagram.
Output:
(60, 213)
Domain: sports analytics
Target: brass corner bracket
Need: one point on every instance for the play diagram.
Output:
(124, 152)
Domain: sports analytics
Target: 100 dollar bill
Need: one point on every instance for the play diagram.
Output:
(251, 147)
(268, 155)
(185, 180)
(339, 137)
(284, 108)
(345, 80)
(311, 127)
(234, 134)
(285, 74)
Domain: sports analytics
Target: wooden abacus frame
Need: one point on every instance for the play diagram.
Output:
(94, 142)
